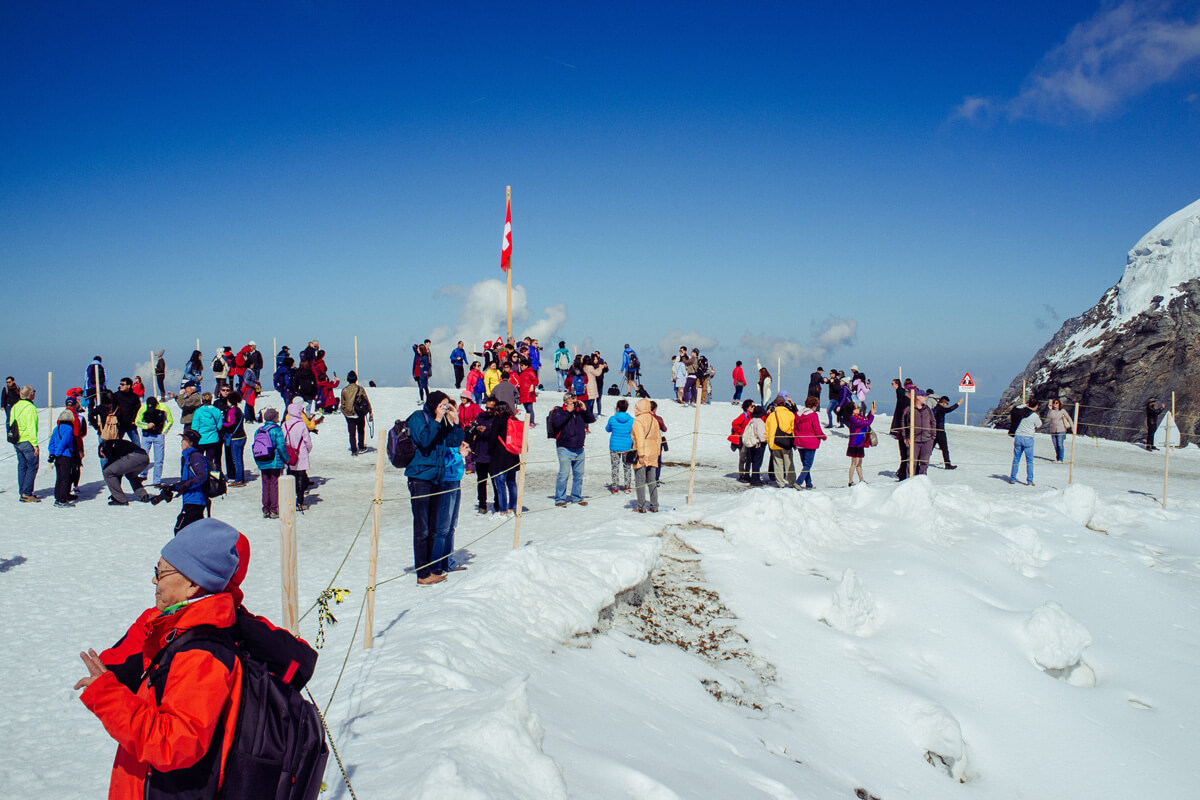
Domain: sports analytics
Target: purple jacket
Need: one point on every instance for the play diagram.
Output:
(858, 426)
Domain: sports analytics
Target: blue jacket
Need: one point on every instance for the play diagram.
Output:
(193, 474)
(62, 441)
(625, 359)
(278, 459)
(453, 469)
(90, 376)
(207, 422)
(569, 428)
(458, 356)
(431, 440)
(282, 379)
(620, 425)
(535, 358)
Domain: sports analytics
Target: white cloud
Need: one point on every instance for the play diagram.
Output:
(829, 335)
(483, 316)
(669, 345)
(835, 332)
(1122, 51)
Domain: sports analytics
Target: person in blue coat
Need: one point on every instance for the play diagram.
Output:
(620, 443)
(458, 358)
(61, 449)
(433, 428)
(193, 472)
(207, 422)
(271, 466)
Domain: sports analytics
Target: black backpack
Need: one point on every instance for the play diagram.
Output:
(400, 447)
(362, 406)
(279, 749)
(635, 363)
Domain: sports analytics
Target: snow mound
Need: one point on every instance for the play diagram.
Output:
(853, 610)
(1025, 550)
(1079, 503)
(936, 731)
(1164, 258)
(912, 500)
(1055, 641)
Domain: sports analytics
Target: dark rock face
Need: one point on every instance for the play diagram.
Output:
(1119, 368)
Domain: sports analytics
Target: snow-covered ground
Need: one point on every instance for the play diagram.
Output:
(889, 640)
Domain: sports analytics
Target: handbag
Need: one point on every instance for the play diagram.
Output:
(630, 457)
(872, 439)
(14, 433)
(215, 486)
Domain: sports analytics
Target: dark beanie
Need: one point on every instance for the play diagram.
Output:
(434, 398)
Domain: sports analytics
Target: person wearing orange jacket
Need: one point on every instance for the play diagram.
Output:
(173, 711)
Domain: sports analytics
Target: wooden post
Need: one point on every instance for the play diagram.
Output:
(369, 632)
(50, 423)
(779, 374)
(95, 380)
(508, 272)
(521, 481)
(901, 376)
(355, 355)
(912, 431)
(274, 347)
(287, 552)
(695, 441)
(198, 347)
(1023, 391)
(1074, 436)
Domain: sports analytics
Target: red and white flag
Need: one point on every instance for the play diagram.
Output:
(506, 246)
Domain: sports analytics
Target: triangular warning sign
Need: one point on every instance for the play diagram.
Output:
(966, 380)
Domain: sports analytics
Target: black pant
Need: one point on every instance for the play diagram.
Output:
(458, 376)
(161, 392)
(425, 519)
(944, 446)
(63, 466)
(482, 472)
(188, 515)
(902, 473)
(301, 476)
(359, 425)
(212, 454)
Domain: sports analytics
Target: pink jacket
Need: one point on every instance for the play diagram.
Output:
(808, 430)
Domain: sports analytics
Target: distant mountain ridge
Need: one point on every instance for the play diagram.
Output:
(1141, 340)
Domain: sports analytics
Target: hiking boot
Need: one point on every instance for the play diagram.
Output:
(112, 501)
(58, 504)
(558, 505)
(431, 580)
(951, 466)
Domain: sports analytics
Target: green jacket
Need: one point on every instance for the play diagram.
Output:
(25, 417)
(141, 418)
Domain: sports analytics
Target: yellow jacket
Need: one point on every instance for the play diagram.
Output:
(491, 379)
(647, 436)
(781, 420)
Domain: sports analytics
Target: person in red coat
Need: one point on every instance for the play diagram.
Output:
(808, 437)
(739, 382)
(173, 710)
(527, 382)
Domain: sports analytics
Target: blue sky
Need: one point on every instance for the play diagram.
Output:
(947, 181)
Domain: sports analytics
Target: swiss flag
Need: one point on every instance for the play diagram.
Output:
(506, 246)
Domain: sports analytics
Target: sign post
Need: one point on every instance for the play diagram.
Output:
(966, 386)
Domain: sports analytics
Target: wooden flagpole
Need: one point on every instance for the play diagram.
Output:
(50, 423)
(355, 355)
(912, 431)
(287, 553)
(369, 630)
(695, 440)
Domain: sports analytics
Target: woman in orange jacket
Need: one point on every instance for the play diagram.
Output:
(174, 721)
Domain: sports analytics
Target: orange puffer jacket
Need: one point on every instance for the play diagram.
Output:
(176, 729)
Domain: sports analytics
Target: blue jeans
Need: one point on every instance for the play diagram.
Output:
(132, 433)
(737, 392)
(1060, 445)
(570, 462)
(1023, 445)
(447, 520)
(234, 452)
(506, 490)
(562, 379)
(27, 467)
(425, 519)
(833, 406)
(689, 389)
(806, 462)
(153, 445)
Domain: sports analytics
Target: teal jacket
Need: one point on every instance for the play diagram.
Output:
(207, 422)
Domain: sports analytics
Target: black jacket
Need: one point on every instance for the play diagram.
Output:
(478, 440)
(569, 427)
(941, 413)
(114, 449)
(11, 396)
(128, 405)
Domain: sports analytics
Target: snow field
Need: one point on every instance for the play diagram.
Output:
(896, 637)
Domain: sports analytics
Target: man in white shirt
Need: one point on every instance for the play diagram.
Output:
(1022, 422)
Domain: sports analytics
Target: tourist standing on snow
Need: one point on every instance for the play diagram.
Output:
(433, 427)
(901, 441)
(860, 385)
(298, 438)
(736, 430)
(527, 385)
(160, 373)
(207, 422)
(220, 367)
(128, 406)
(194, 372)
(739, 382)
(815, 380)
(154, 420)
(678, 377)
(567, 425)
(25, 419)
(477, 431)
(458, 360)
(504, 454)
(631, 365)
(79, 424)
(835, 395)
(356, 407)
(61, 450)
(12, 396)
(764, 383)
(271, 462)
(173, 717)
(754, 442)
(188, 401)
(592, 373)
(692, 365)
(283, 354)
(422, 369)
(1058, 424)
(808, 436)
(620, 445)
(646, 439)
(943, 408)
(304, 385)
(233, 438)
(781, 425)
(562, 363)
(94, 380)
(193, 475)
(601, 367)
(856, 447)
(1154, 410)
(922, 422)
(282, 380)
(1022, 423)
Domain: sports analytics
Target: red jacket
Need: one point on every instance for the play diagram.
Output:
(467, 412)
(808, 430)
(198, 707)
(737, 428)
(527, 382)
(739, 377)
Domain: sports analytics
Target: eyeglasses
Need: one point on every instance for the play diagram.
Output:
(160, 575)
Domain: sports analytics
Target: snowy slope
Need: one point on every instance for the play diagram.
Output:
(895, 638)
